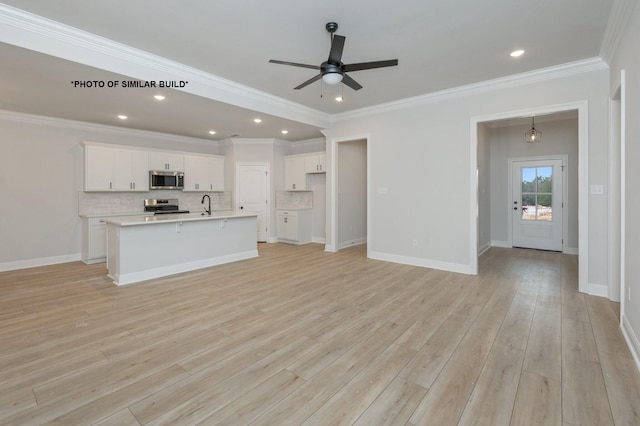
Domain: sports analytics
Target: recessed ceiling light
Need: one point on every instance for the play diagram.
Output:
(339, 99)
(159, 97)
(122, 117)
(257, 120)
(517, 53)
(284, 132)
(212, 132)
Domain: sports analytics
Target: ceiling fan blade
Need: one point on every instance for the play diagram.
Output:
(369, 65)
(308, 82)
(294, 64)
(351, 82)
(337, 44)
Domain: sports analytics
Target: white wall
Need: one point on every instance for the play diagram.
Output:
(352, 193)
(41, 177)
(420, 166)
(559, 137)
(627, 58)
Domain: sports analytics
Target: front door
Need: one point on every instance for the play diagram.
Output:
(253, 193)
(537, 203)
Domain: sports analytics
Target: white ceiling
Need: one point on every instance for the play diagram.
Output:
(440, 44)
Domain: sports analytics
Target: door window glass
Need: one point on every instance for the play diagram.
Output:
(537, 193)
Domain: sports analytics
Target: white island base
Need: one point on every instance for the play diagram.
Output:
(143, 248)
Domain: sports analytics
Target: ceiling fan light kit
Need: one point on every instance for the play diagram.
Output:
(333, 70)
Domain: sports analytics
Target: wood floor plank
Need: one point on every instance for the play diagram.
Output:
(492, 399)
(394, 405)
(622, 380)
(538, 402)
(302, 335)
(447, 397)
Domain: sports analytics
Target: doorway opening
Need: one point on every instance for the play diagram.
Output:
(497, 140)
(349, 201)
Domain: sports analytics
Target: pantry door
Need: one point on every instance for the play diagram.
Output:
(537, 203)
(252, 189)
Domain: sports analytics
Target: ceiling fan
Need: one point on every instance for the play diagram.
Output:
(333, 71)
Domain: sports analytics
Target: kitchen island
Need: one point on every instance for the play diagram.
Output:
(141, 248)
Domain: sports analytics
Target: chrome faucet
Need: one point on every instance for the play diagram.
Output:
(202, 202)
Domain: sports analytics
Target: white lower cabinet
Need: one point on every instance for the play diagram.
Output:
(294, 226)
(94, 241)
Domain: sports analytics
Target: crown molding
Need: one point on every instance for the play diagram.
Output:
(511, 81)
(64, 123)
(618, 20)
(33, 32)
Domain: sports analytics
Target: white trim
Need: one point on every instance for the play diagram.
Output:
(43, 261)
(318, 240)
(511, 81)
(583, 178)
(351, 243)
(134, 277)
(623, 189)
(332, 172)
(33, 32)
(482, 250)
(618, 20)
(630, 336)
(425, 263)
(63, 123)
(503, 244)
(601, 290)
(571, 250)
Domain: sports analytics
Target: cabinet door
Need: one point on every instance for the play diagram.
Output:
(287, 227)
(99, 168)
(166, 161)
(217, 175)
(131, 172)
(314, 163)
(295, 177)
(196, 173)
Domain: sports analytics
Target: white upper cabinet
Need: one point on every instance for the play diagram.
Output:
(131, 170)
(295, 178)
(115, 169)
(159, 160)
(315, 163)
(99, 168)
(203, 173)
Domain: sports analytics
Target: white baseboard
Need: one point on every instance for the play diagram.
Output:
(503, 244)
(483, 249)
(356, 242)
(571, 250)
(43, 261)
(425, 263)
(632, 339)
(598, 290)
(319, 240)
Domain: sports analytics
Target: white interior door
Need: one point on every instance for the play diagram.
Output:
(537, 203)
(253, 193)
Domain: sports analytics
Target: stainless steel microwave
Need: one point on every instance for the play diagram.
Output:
(160, 179)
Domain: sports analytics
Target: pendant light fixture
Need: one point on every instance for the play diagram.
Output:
(533, 135)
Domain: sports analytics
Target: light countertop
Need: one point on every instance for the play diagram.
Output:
(179, 217)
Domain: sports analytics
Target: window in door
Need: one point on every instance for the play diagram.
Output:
(537, 193)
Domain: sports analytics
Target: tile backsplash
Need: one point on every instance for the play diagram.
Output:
(104, 203)
(294, 200)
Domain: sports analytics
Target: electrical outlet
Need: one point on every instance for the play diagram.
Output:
(415, 243)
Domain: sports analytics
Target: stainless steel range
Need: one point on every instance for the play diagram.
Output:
(163, 206)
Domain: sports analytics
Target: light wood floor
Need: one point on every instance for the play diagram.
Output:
(300, 336)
